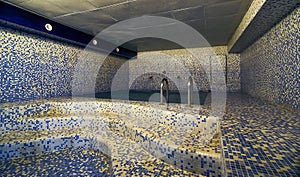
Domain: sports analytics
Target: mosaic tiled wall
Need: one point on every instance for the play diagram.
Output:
(178, 65)
(34, 67)
(107, 72)
(261, 16)
(152, 83)
(270, 66)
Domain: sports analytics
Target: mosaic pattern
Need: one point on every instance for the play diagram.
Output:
(81, 162)
(259, 19)
(67, 162)
(271, 72)
(107, 72)
(178, 64)
(130, 159)
(152, 82)
(258, 139)
(248, 17)
(148, 142)
(35, 67)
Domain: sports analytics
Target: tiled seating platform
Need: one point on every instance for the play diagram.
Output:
(258, 138)
(138, 147)
(179, 148)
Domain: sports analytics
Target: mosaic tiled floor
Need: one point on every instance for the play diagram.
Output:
(150, 169)
(68, 162)
(81, 162)
(260, 139)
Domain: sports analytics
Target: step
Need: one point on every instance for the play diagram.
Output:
(19, 143)
(128, 157)
(174, 147)
(42, 123)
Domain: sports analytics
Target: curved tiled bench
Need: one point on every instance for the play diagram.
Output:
(32, 136)
(147, 132)
(160, 141)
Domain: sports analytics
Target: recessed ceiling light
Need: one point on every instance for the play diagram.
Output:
(95, 42)
(48, 27)
(117, 49)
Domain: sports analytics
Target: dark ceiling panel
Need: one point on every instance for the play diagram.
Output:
(94, 29)
(105, 3)
(189, 14)
(164, 14)
(223, 9)
(119, 12)
(195, 3)
(72, 5)
(44, 7)
(198, 25)
(17, 1)
(92, 16)
(146, 7)
(224, 22)
(150, 44)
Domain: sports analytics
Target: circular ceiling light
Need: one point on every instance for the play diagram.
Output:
(117, 49)
(95, 42)
(48, 27)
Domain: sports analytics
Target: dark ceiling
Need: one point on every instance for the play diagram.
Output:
(216, 20)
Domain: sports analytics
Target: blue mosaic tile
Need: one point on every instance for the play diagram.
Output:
(83, 124)
(35, 67)
(270, 66)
